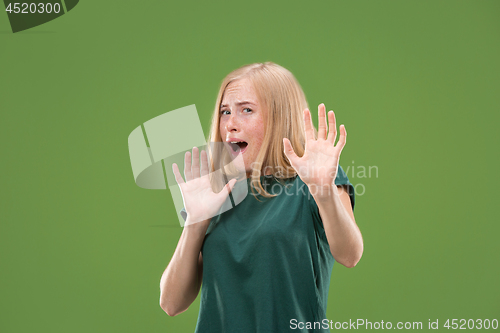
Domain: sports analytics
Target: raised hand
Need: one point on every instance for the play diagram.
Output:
(200, 201)
(318, 166)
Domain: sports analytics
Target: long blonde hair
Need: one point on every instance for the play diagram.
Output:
(281, 95)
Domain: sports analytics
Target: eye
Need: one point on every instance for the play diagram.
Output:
(222, 112)
(247, 109)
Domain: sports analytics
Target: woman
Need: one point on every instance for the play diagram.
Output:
(266, 263)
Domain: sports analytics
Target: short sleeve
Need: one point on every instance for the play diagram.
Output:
(341, 179)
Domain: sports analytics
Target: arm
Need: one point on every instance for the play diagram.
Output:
(342, 233)
(181, 280)
(318, 169)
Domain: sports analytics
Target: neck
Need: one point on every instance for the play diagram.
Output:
(268, 173)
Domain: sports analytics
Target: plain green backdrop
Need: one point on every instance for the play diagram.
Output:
(416, 83)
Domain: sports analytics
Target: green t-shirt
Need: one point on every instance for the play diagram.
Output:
(266, 263)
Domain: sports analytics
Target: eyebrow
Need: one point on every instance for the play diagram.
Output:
(239, 103)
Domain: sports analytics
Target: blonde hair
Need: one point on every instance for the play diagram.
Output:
(281, 95)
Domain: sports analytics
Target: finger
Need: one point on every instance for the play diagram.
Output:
(177, 174)
(321, 122)
(228, 187)
(289, 152)
(187, 166)
(342, 138)
(308, 125)
(204, 163)
(332, 130)
(195, 169)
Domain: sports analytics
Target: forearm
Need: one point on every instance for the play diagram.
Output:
(179, 283)
(344, 237)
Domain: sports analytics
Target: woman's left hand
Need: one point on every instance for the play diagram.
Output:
(318, 166)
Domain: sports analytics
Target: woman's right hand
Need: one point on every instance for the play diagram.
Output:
(200, 201)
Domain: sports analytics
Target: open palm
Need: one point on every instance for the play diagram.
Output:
(200, 201)
(318, 166)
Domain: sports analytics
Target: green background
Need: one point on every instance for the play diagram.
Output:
(416, 83)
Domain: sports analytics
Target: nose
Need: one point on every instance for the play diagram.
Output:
(233, 124)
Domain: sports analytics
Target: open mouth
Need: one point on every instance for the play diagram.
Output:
(237, 147)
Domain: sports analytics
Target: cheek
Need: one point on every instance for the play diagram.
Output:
(257, 130)
(257, 126)
(222, 127)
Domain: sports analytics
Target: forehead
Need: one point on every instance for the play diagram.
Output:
(240, 90)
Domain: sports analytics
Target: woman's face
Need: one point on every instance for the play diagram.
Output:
(242, 120)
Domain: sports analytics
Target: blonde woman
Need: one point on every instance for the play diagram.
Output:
(266, 263)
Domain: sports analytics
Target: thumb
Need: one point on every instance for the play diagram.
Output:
(224, 193)
(288, 150)
(230, 185)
